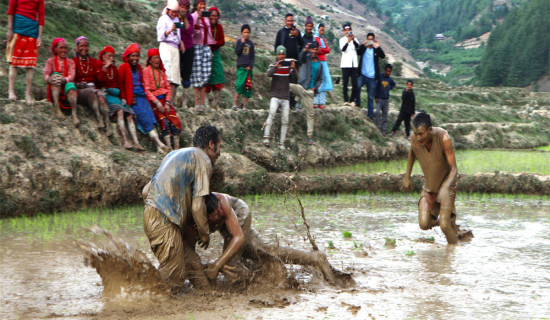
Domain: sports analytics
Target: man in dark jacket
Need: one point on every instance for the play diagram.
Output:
(408, 108)
(369, 72)
(311, 78)
(290, 38)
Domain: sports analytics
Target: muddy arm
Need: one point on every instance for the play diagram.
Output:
(234, 246)
(198, 209)
(410, 163)
(145, 190)
(451, 160)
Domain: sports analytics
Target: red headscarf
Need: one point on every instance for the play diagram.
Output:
(151, 53)
(214, 9)
(105, 50)
(55, 42)
(134, 47)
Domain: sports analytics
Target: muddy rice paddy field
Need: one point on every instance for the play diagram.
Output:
(400, 271)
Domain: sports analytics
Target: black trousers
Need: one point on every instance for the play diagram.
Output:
(406, 117)
(348, 73)
(186, 65)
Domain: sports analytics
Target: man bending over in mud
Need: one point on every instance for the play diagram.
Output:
(231, 217)
(434, 151)
(174, 199)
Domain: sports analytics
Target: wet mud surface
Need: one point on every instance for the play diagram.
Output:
(401, 272)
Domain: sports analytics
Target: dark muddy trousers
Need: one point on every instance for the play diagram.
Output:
(347, 74)
(406, 117)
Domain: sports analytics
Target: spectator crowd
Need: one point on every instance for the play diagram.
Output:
(190, 37)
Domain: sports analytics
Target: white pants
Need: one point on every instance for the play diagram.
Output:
(273, 106)
(170, 57)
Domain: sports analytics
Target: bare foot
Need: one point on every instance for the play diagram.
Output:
(76, 121)
(164, 149)
(127, 145)
(139, 148)
(108, 130)
(100, 125)
(59, 114)
(12, 96)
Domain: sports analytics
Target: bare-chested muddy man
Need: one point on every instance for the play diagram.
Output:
(433, 148)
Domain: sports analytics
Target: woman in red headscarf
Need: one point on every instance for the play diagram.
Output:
(107, 77)
(25, 25)
(217, 78)
(157, 90)
(59, 74)
(85, 81)
(133, 94)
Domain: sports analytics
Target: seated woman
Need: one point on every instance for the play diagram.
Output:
(107, 77)
(157, 90)
(133, 94)
(85, 78)
(59, 74)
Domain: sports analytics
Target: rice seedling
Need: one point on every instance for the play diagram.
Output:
(346, 234)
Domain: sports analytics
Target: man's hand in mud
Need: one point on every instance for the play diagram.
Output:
(230, 272)
(204, 242)
(406, 183)
(211, 272)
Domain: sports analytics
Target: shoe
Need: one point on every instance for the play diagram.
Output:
(234, 107)
(392, 134)
(322, 107)
(266, 141)
(282, 147)
(309, 141)
(244, 109)
(315, 106)
(293, 108)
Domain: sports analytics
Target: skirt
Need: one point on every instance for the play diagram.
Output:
(202, 66)
(240, 86)
(145, 118)
(115, 104)
(22, 52)
(170, 57)
(217, 77)
(169, 122)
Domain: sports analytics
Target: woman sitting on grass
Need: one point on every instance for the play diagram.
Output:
(59, 74)
(133, 94)
(107, 77)
(157, 89)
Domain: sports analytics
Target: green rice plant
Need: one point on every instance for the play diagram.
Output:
(330, 245)
(390, 242)
(346, 234)
(410, 253)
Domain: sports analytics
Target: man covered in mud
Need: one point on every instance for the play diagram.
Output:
(175, 199)
(433, 148)
(231, 217)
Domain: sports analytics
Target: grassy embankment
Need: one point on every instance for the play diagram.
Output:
(468, 162)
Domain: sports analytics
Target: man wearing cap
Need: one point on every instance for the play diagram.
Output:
(311, 78)
(348, 64)
(369, 72)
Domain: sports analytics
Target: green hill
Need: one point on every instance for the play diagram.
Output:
(518, 51)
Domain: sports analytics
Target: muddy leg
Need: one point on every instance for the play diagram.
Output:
(448, 225)
(104, 109)
(71, 96)
(122, 128)
(133, 133)
(426, 220)
(176, 142)
(56, 92)
(195, 272)
(11, 83)
(28, 93)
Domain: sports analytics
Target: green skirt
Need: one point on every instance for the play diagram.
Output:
(217, 76)
(242, 73)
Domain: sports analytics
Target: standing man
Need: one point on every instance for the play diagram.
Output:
(349, 46)
(174, 199)
(434, 151)
(290, 38)
(369, 72)
(311, 78)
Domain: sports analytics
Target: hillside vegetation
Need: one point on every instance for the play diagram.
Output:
(518, 52)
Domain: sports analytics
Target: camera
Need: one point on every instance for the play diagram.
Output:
(180, 25)
(350, 33)
(206, 14)
(286, 62)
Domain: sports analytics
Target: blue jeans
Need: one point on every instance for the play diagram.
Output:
(371, 86)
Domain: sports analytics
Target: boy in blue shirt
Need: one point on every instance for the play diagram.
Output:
(382, 97)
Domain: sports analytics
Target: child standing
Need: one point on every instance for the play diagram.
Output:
(382, 97)
(408, 107)
(245, 62)
(280, 73)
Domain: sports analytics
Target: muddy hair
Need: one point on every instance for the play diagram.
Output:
(204, 135)
(422, 119)
(211, 202)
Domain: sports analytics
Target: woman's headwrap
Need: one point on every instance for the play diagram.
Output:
(151, 53)
(134, 47)
(55, 42)
(214, 9)
(105, 50)
(171, 5)
(77, 41)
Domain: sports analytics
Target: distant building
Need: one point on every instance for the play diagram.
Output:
(325, 17)
(440, 36)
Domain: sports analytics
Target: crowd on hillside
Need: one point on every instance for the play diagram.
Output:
(190, 38)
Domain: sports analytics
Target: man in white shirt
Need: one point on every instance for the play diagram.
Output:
(349, 63)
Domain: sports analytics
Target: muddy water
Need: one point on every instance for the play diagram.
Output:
(502, 273)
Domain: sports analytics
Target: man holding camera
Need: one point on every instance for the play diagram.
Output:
(348, 64)
(369, 72)
(290, 38)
